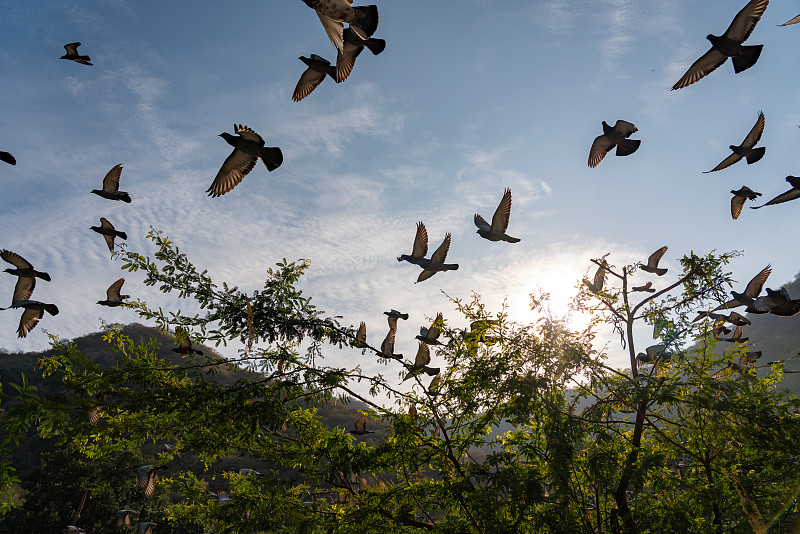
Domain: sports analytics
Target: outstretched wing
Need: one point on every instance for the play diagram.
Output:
(745, 20)
(707, 63)
(111, 180)
(441, 253)
(502, 214)
(755, 133)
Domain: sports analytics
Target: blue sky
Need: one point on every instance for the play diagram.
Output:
(467, 99)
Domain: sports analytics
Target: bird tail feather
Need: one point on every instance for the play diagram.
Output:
(757, 154)
(628, 147)
(376, 46)
(272, 157)
(747, 59)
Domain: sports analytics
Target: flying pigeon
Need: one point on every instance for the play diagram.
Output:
(653, 354)
(361, 335)
(147, 476)
(792, 21)
(719, 329)
(34, 311)
(26, 282)
(737, 335)
(113, 298)
(431, 335)
(124, 518)
(146, 528)
(777, 302)
(751, 292)
(739, 198)
(420, 248)
(8, 158)
(397, 315)
(497, 230)
(248, 146)
(361, 427)
(791, 194)
(72, 53)
(745, 150)
(596, 285)
(436, 263)
(647, 288)
(613, 137)
(652, 262)
(333, 13)
(729, 45)
(184, 347)
(387, 347)
(352, 47)
(421, 361)
(433, 387)
(111, 186)
(108, 232)
(318, 67)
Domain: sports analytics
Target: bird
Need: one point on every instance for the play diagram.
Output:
(361, 335)
(433, 388)
(113, 298)
(477, 332)
(739, 197)
(387, 347)
(318, 67)
(351, 48)
(653, 354)
(421, 361)
(184, 347)
(72, 529)
(247, 471)
(334, 13)
(596, 286)
(146, 528)
(737, 335)
(777, 302)
(8, 158)
(34, 311)
(72, 53)
(613, 137)
(497, 230)
(751, 292)
(652, 262)
(791, 194)
(124, 518)
(248, 146)
(397, 315)
(729, 45)
(719, 329)
(111, 186)
(734, 318)
(26, 274)
(147, 476)
(436, 262)
(791, 21)
(106, 229)
(430, 336)
(745, 150)
(361, 427)
(648, 288)
(420, 248)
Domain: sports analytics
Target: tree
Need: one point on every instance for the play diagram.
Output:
(526, 428)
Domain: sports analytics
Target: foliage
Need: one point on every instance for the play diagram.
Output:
(528, 430)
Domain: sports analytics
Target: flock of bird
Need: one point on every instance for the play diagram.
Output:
(249, 147)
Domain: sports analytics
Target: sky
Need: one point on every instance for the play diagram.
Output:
(469, 98)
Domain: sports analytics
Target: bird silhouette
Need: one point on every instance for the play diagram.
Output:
(433, 389)
(791, 194)
(420, 248)
(745, 150)
(397, 315)
(497, 230)
(184, 347)
(34, 311)
(8, 158)
(777, 302)
(361, 427)
(26, 281)
(719, 329)
(387, 347)
(351, 48)
(248, 146)
(647, 288)
(729, 45)
(124, 518)
(106, 229)
(653, 355)
(361, 335)
(147, 476)
(318, 67)
(791, 21)
(596, 285)
(421, 361)
(751, 292)
(613, 137)
(739, 198)
(737, 335)
(113, 298)
(110, 188)
(436, 263)
(72, 54)
(652, 262)
(334, 13)
(146, 528)
(431, 335)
